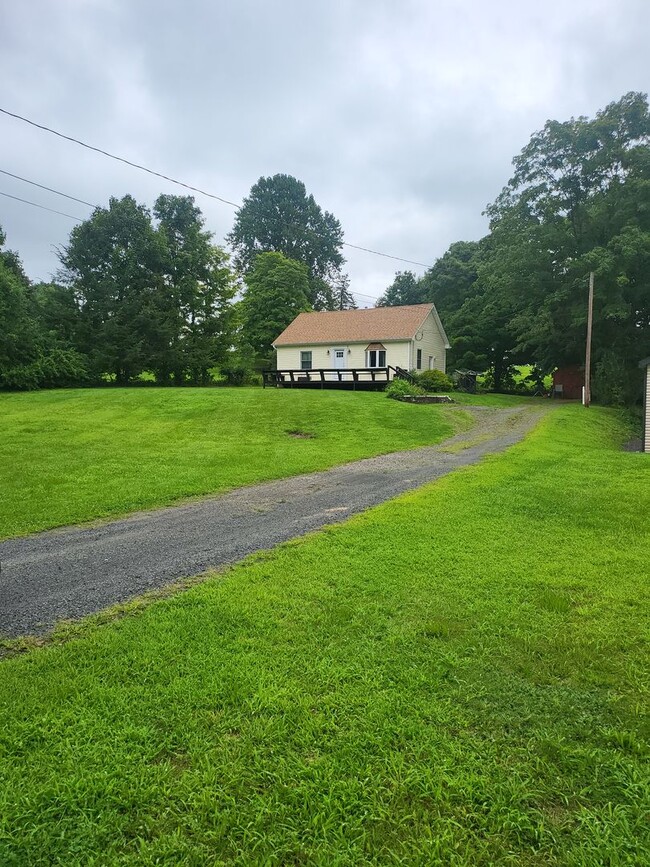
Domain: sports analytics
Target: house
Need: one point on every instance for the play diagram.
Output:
(361, 346)
(645, 365)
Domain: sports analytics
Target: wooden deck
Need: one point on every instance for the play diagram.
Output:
(351, 379)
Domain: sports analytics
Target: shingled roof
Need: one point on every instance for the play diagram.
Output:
(351, 326)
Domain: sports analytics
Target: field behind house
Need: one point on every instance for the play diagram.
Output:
(457, 677)
(72, 456)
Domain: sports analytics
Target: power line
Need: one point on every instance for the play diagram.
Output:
(385, 255)
(49, 189)
(175, 181)
(70, 216)
(90, 204)
(119, 159)
(42, 207)
(363, 295)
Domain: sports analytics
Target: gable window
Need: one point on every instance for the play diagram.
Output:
(376, 355)
(419, 361)
(305, 360)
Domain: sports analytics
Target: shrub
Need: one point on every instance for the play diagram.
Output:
(402, 388)
(237, 374)
(435, 380)
(62, 367)
(55, 369)
(614, 384)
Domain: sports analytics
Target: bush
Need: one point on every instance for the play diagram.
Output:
(402, 388)
(237, 374)
(57, 368)
(614, 384)
(62, 367)
(435, 380)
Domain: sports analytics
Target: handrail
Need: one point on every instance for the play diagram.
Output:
(401, 373)
(289, 376)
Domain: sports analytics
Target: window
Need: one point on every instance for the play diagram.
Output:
(376, 358)
(419, 362)
(305, 360)
(431, 362)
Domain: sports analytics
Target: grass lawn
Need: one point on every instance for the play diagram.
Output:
(72, 456)
(458, 677)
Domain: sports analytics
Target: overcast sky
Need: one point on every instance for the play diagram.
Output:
(401, 118)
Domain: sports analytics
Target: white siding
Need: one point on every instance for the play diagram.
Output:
(432, 344)
(646, 407)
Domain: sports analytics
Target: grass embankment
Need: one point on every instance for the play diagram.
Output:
(72, 456)
(454, 678)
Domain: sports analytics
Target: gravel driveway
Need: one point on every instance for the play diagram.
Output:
(68, 573)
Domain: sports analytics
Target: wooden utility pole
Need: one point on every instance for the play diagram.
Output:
(590, 319)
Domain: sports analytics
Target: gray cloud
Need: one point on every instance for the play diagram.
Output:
(401, 118)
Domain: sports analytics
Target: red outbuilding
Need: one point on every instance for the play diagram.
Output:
(568, 382)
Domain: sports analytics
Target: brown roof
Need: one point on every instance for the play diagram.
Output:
(348, 326)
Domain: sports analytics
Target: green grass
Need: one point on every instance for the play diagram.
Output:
(523, 371)
(73, 456)
(458, 677)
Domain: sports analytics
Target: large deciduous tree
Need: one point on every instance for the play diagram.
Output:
(579, 200)
(194, 300)
(451, 280)
(114, 261)
(279, 216)
(277, 290)
(152, 297)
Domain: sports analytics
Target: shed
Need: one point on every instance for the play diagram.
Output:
(568, 382)
(645, 366)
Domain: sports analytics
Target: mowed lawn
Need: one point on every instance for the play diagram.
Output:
(457, 677)
(72, 456)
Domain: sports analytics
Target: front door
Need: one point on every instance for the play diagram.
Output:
(339, 358)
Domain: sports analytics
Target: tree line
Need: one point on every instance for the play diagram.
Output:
(578, 201)
(148, 292)
(143, 291)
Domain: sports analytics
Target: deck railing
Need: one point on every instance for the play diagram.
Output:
(332, 376)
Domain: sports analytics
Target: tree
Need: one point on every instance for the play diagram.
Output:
(19, 337)
(114, 262)
(151, 297)
(276, 292)
(56, 308)
(193, 302)
(406, 288)
(278, 216)
(452, 279)
(343, 297)
(35, 350)
(577, 202)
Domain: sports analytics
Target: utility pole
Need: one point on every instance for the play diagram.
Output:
(590, 319)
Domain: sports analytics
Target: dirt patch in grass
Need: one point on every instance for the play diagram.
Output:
(300, 434)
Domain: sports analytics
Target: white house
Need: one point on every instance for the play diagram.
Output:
(409, 337)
